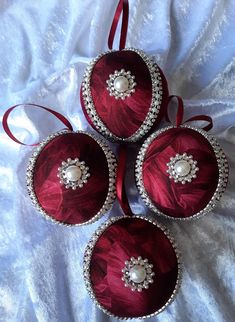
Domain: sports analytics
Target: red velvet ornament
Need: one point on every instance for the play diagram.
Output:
(129, 119)
(123, 92)
(60, 201)
(71, 175)
(114, 243)
(181, 187)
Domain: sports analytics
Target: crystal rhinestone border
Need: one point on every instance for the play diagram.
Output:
(153, 109)
(112, 166)
(222, 180)
(88, 254)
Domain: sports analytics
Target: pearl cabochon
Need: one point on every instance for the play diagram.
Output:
(73, 173)
(121, 84)
(137, 274)
(182, 168)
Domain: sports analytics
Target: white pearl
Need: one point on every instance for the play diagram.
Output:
(182, 168)
(121, 84)
(137, 274)
(73, 173)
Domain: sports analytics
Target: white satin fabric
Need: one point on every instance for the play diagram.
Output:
(44, 48)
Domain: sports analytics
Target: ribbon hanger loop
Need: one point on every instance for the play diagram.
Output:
(122, 7)
(8, 112)
(180, 110)
(202, 117)
(180, 115)
(120, 183)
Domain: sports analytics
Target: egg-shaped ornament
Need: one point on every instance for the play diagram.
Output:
(123, 92)
(71, 176)
(132, 267)
(181, 170)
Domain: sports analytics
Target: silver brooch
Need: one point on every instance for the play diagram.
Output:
(73, 173)
(121, 84)
(137, 274)
(182, 168)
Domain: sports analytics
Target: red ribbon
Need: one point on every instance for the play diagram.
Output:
(10, 134)
(180, 115)
(120, 182)
(122, 7)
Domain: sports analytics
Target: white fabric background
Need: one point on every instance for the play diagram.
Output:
(44, 48)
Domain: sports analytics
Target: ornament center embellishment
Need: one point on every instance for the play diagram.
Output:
(182, 168)
(137, 274)
(73, 173)
(121, 84)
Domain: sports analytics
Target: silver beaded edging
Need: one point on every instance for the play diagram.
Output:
(153, 109)
(112, 166)
(87, 259)
(222, 180)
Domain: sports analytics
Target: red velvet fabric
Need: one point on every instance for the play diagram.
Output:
(123, 239)
(67, 205)
(122, 117)
(176, 199)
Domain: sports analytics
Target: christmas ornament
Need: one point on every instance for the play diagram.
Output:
(131, 267)
(70, 175)
(131, 263)
(124, 92)
(181, 171)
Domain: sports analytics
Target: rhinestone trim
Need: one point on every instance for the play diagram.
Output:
(153, 109)
(182, 178)
(112, 166)
(222, 166)
(87, 259)
(148, 270)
